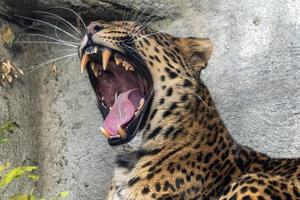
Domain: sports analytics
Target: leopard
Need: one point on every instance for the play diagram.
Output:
(149, 84)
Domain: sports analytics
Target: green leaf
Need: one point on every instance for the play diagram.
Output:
(9, 126)
(15, 173)
(23, 197)
(3, 140)
(64, 194)
(20, 197)
(33, 177)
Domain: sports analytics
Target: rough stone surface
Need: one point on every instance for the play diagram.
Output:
(254, 76)
(19, 102)
(108, 10)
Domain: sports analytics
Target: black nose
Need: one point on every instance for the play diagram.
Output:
(93, 28)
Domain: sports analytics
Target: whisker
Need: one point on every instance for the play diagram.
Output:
(36, 27)
(64, 21)
(33, 68)
(45, 42)
(149, 16)
(80, 18)
(111, 12)
(126, 14)
(64, 63)
(124, 11)
(4, 13)
(67, 49)
(141, 15)
(133, 12)
(51, 25)
(56, 32)
(198, 96)
(136, 11)
(154, 33)
(147, 22)
(52, 38)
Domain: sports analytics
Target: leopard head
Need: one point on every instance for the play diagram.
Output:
(137, 75)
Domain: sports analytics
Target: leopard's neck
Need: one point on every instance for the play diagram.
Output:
(191, 121)
(186, 112)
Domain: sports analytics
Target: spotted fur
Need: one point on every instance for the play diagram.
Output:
(187, 151)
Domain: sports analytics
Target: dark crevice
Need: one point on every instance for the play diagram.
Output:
(108, 11)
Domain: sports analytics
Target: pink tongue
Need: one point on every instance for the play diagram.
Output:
(121, 113)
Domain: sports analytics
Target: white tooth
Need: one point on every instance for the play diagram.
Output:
(118, 60)
(115, 136)
(104, 132)
(84, 62)
(105, 58)
(95, 50)
(121, 132)
(116, 95)
(127, 65)
(131, 68)
(142, 102)
(94, 69)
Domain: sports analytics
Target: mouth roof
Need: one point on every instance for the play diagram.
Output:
(123, 89)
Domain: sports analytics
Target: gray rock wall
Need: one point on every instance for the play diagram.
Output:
(254, 76)
(19, 102)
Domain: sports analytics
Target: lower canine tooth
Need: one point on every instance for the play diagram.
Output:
(94, 69)
(105, 58)
(84, 61)
(121, 132)
(96, 50)
(142, 102)
(104, 132)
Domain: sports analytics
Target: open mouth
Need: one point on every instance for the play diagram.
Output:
(124, 89)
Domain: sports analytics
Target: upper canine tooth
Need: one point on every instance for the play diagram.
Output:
(84, 62)
(105, 58)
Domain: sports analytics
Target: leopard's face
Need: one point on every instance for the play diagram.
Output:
(132, 69)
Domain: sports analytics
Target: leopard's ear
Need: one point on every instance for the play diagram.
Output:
(196, 51)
